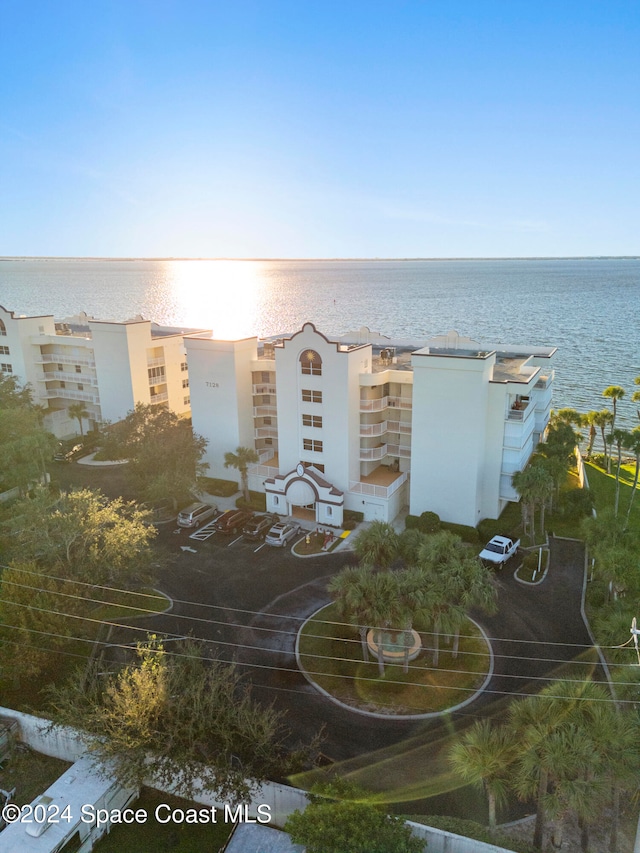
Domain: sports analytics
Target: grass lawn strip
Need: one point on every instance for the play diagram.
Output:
(331, 654)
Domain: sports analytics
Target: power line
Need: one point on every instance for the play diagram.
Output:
(261, 613)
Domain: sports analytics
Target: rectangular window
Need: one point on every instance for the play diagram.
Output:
(268, 441)
(78, 368)
(6, 368)
(329, 511)
(312, 421)
(183, 366)
(266, 400)
(311, 396)
(266, 421)
(60, 367)
(63, 384)
(80, 387)
(4, 350)
(312, 444)
(187, 401)
(266, 376)
(312, 368)
(317, 465)
(185, 383)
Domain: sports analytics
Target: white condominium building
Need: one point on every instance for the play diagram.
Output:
(369, 424)
(107, 366)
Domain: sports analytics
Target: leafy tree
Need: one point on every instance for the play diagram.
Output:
(349, 824)
(79, 412)
(82, 534)
(483, 756)
(377, 546)
(165, 455)
(241, 459)
(25, 446)
(33, 608)
(181, 719)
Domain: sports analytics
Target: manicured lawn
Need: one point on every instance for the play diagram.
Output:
(154, 837)
(331, 654)
(603, 488)
(316, 541)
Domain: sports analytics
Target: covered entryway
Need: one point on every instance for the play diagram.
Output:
(305, 494)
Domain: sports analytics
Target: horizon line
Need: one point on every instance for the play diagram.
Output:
(311, 259)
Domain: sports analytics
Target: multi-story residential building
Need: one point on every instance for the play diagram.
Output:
(107, 366)
(368, 424)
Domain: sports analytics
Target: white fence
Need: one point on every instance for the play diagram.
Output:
(66, 744)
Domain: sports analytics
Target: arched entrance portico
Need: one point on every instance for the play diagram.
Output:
(304, 493)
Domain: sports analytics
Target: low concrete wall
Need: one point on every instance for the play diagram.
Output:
(65, 743)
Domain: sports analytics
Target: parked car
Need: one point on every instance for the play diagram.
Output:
(281, 533)
(195, 514)
(233, 520)
(64, 455)
(499, 550)
(259, 526)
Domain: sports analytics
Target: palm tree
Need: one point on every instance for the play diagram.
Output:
(633, 444)
(377, 546)
(619, 437)
(353, 593)
(613, 393)
(590, 420)
(483, 756)
(636, 395)
(535, 486)
(602, 419)
(79, 412)
(241, 459)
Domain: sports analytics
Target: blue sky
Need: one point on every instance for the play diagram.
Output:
(414, 128)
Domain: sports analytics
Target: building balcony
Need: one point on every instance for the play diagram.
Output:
(264, 388)
(369, 454)
(162, 397)
(158, 380)
(367, 430)
(265, 432)
(60, 376)
(378, 405)
(58, 358)
(380, 483)
(156, 362)
(267, 467)
(520, 411)
(265, 411)
(67, 394)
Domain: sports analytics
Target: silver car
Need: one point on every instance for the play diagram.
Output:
(281, 533)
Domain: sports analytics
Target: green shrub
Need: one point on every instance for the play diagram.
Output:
(257, 502)
(221, 488)
(353, 515)
(412, 522)
(488, 528)
(576, 503)
(429, 522)
(464, 531)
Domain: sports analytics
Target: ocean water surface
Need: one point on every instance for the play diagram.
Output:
(588, 308)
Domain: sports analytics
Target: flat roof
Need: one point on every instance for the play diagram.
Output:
(254, 837)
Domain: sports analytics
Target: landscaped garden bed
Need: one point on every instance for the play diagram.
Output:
(330, 652)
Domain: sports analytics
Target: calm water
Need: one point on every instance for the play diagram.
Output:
(589, 309)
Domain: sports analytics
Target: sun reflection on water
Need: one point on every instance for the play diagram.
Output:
(225, 296)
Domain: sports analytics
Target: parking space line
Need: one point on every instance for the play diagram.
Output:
(237, 539)
(259, 548)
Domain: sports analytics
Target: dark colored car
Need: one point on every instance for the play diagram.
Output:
(258, 527)
(233, 520)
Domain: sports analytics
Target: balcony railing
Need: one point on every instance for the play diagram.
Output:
(264, 388)
(162, 397)
(56, 393)
(265, 432)
(521, 413)
(83, 378)
(156, 362)
(57, 358)
(265, 411)
(377, 405)
(370, 489)
(367, 430)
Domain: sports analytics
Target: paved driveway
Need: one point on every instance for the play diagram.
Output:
(250, 605)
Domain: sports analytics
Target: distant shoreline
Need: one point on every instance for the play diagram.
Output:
(326, 260)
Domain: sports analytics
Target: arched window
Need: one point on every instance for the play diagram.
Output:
(3, 328)
(311, 363)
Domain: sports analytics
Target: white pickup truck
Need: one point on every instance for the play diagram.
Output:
(499, 550)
